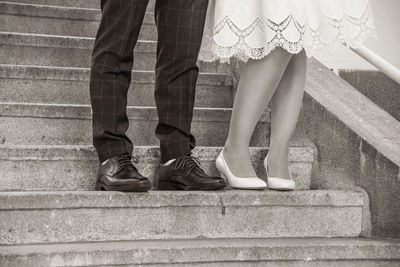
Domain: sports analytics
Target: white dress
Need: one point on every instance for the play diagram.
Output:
(253, 28)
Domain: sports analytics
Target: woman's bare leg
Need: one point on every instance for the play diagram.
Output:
(256, 87)
(285, 108)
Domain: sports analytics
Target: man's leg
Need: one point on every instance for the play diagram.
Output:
(110, 78)
(180, 26)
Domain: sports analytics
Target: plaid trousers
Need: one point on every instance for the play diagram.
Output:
(180, 25)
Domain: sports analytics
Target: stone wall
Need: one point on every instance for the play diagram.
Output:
(378, 87)
(357, 144)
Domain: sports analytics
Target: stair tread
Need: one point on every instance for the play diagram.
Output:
(145, 153)
(61, 20)
(51, 40)
(159, 199)
(211, 250)
(72, 167)
(59, 12)
(37, 123)
(75, 3)
(83, 111)
(58, 50)
(51, 10)
(82, 74)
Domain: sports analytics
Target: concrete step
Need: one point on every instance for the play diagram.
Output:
(70, 168)
(61, 85)
(50, 50)
(112, 216)
(72, 3)
(57, 20)
(47, 124)
(267, 252)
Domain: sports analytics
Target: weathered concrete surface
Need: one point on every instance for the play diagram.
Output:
(51, 50)
(69, 3)
(378, 87)
(303, 263)
(62, 85)
(108, 216)
(357, 143)
(74, 3)
(60, 168)
(50, 200)
(45, 124)
(222, 252)
(59, 20)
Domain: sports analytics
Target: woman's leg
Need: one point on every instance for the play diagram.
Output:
(256, 87)
(285, 108)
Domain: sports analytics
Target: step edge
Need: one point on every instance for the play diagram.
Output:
(73, 200)
(12, 71)
(84, 112)
(301, 154)
(380, 251)
(55, 12)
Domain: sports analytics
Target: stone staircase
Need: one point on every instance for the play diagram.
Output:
(49, 215)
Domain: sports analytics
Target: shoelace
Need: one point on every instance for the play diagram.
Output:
(187, 164)
(127, 160)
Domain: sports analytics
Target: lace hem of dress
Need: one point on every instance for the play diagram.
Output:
(211, 51)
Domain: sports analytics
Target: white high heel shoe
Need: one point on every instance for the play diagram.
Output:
(279, 184)
(237, 182)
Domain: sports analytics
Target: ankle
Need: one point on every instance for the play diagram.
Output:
(278, 154)
(279, 160)
(235, 150)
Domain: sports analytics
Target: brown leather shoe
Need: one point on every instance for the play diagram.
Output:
(119, 174)
(185, 173)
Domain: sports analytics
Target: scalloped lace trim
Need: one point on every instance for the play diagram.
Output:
(310, 39)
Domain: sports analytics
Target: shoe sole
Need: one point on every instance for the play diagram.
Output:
(122, 188)
(241, 187)
(176, 186)
(249, 188)
(282, 189)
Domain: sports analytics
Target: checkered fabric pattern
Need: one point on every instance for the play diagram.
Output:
(180, 25)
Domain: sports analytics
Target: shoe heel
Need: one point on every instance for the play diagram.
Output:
(166, 186)
(98, 187)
